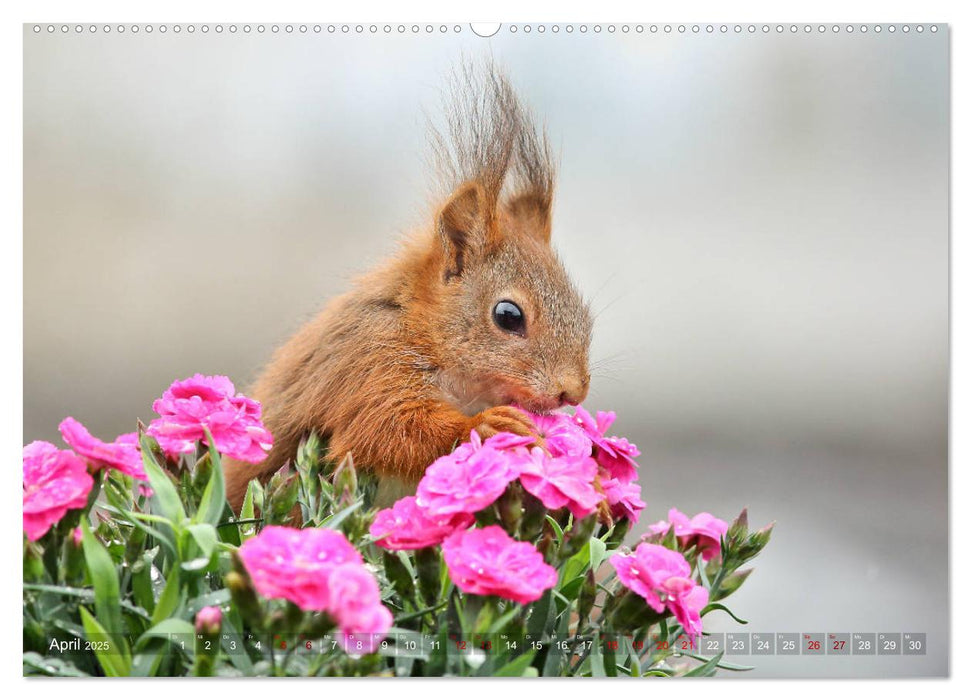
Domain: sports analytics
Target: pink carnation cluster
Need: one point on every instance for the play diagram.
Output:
(577, 468)
(318, 569)
(185, 410)
(662, 577)
(56, 481)
(703, 531)
(190, 406)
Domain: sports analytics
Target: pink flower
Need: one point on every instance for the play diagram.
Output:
(295, 564)
(562, 436)
(406, 526)
(624, 499)
(687, 601)
(615, 454)
(76, 536)
(123, 454)
(703, 531)
(487, 561)
(662, 577)
(561, 481)
(355, 604)
(190, 405)
(55, 481)
(318, 569)
(466, 481)
(208, 620)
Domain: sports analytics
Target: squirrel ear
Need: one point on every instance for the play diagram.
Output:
(532, 213)
(462, 226)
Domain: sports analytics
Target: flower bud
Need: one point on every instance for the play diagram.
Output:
(617, 535)
(511, 508)
(208, 623)
(629, 612)
(345, 480)
(738, 530)
(209, 620)
(203, 472)
(588, 595)
(244, 596)
(534, 517)
(578, 535)
(731, 583)
(281, 496)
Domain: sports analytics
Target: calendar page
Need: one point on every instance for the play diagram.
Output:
(410, 349)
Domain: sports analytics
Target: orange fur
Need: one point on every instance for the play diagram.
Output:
(409, 362)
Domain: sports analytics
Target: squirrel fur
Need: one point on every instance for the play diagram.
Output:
(413, 358)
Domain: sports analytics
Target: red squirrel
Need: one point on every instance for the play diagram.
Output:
(473, 314)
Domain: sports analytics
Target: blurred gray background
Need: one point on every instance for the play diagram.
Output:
(761, 222)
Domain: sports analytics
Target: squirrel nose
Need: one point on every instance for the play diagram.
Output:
(573, 390)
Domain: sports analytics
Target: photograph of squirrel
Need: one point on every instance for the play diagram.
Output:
(473, 316)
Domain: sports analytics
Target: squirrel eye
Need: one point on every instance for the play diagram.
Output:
(509, 317)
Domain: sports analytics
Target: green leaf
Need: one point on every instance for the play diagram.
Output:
(539, 616)
(598, 552)
(248, 511)
(218, 598)
(597, 665)
(165, 499)
(708, 668)
(205, 537)
(115, 660)
(718, 606)
(504, 619)
(721, 664)
(334, 521)
(517, 667)
(556, 527)
(213, 500)
(162, 631)
(37, 665)
(83, 593)
(104, 580)
(170, 599)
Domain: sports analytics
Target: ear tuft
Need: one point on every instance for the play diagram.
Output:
(532, 213)
(463, 226)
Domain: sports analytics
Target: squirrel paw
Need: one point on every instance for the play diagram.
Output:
(504, 419)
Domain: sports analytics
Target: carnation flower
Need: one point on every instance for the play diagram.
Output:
(624, 499)
(662, 577)
(355, 604)
(703, 531)
(190, 406)
(55, 481)
(561, 435)
(560, 481)
(295, 564)
(123, 454)
(406, 526)
(487, 561)
(467, 480)
(686, 603)
(615, 454)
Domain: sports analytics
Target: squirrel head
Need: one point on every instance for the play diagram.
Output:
(516, 329)
(509, 326)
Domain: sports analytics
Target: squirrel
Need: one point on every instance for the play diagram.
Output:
(475, 313)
